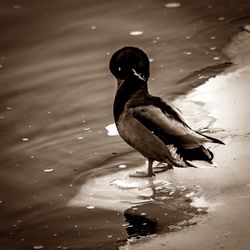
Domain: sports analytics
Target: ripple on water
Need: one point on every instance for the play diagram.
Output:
(136, 33)
(149, 205)
(173, 5)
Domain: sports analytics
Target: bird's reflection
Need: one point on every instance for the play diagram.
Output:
(166, 209)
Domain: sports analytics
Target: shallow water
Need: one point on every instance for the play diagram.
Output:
(56, 99)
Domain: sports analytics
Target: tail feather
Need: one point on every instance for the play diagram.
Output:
(212, 139)
(199, 153)
(189, 164)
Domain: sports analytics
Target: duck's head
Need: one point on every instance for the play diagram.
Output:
(130, 63)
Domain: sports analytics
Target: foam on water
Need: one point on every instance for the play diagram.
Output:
(111, 129)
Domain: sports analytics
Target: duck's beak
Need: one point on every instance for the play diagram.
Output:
(140, 76)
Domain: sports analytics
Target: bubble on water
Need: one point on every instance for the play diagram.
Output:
(173, 5)
(1, 66)
(16, 6)
(2, 117)
(187, 53)
(90, 207)
(25, 139)
(216, 58)
(93, 27)
(80, 138)
(143, 214)
(221, 18)
(48, 170)
(8, 108)
(213, 48)
(213, 37)
(110, 236)
(38, 247)
(136, 33)
(122, 166)
(1, 202)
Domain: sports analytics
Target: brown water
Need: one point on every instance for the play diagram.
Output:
(56, 98)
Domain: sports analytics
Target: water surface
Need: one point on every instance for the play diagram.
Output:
(56, 98)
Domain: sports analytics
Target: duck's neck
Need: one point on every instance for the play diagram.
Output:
(125, 90)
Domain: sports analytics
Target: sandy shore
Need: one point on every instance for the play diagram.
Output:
(227, 187)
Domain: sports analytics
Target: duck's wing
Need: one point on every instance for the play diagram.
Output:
(176, 114)
(169, 126)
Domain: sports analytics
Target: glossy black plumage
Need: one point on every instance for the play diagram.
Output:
(147, 123)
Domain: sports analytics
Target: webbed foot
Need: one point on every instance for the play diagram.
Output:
(161, 167)
(142, 174)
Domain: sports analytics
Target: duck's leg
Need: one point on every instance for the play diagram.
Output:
(149, 173)
(150, 168)
(161, 167)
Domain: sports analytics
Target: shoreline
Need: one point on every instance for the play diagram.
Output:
(227, 187)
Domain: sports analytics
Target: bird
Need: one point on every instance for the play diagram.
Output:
(147, 123)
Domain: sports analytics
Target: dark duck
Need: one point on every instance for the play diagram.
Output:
(148, 124)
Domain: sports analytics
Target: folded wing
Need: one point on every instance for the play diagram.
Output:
(167, 128)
